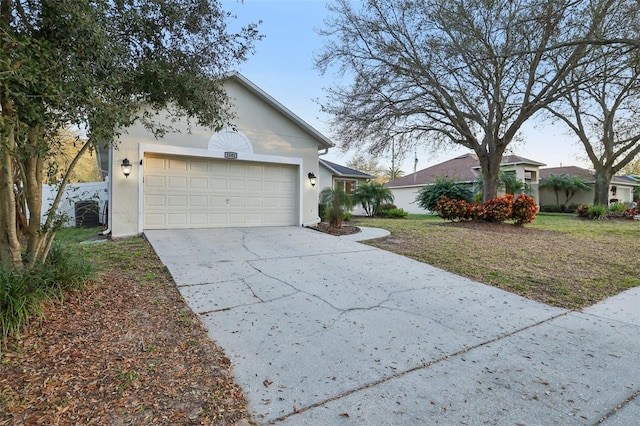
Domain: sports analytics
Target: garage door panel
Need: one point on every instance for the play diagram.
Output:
(182, 192)
(198, 183)
(155, 219)
(218, 183)
(254, 202)
(154, 200)
(177, 165)
(198, 219)
(198, 201)
(237, 184)
(153, 181)
(177, 201)
(217, 219)
(255, 185)
(175, 219)
(198, 167)
(179, 182)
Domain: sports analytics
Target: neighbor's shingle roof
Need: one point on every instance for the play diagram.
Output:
(465, 168)
(459, 168)
(585, 174)
(343, 171)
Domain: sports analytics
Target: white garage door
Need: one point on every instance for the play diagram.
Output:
(185, 192)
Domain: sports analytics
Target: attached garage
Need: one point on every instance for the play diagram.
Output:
(185, 192)
(255, 172)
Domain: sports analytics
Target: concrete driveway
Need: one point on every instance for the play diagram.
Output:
(323, 330)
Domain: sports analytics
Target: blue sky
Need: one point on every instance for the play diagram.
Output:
(283, 67)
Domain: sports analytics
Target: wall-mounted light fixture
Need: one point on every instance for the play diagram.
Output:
(126, 167)
(312, 179)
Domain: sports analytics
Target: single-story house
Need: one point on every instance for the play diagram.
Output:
(621, 187)
(465, 169)
(333, 175)
(257, 174)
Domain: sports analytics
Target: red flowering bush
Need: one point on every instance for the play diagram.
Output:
(454, 210)
(524, 209)
(583, 211)
(498, 209)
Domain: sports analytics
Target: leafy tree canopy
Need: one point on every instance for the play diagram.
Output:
(465, 72)
(100, 66)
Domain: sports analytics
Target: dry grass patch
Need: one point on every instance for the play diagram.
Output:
(559, 260)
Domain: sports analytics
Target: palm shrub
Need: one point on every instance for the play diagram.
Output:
(597, 212)
(371, 196)
(511, 184)
(428, 196)
(571, 185)
(336, 202)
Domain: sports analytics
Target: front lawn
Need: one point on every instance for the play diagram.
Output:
(558, 259)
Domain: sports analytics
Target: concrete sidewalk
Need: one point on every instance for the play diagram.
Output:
(323, 330)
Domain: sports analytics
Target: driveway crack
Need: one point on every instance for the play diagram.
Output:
(421, 367)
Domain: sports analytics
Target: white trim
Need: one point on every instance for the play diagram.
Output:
(145, 148)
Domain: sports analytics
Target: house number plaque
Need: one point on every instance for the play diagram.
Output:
(231, 155)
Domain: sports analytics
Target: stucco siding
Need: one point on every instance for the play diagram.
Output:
(274, 138)
(623, 193)
(405, 198)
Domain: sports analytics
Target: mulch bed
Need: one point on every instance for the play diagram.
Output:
(343, 230)
(125, 351)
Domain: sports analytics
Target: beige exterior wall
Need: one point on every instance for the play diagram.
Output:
(405, 198)
(274, 138)
(623, 193)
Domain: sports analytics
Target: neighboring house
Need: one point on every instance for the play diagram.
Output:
(336, 176)
(256, 175)
(620, 189)
(464, 169)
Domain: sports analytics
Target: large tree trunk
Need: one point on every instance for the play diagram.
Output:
(490, 166)
(603, 180)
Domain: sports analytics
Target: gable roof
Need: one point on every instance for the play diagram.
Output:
(323, 141)
(508, 160)
(585, 174)
(464, 168)
(461, 168)
(344, 171)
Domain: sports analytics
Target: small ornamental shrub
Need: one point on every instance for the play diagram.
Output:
(387, 206)
(572, 208)
(583, 211)
(428, 197)
(550, 208)
(524, 209)
(597, 212)
(452, 210)
(347, 216)
(630, 213)
(393, 213)
(498, 209)
(617, 207)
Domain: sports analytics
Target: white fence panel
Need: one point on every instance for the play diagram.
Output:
(77, 192)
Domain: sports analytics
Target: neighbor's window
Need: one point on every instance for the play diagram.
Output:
(348, 186)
